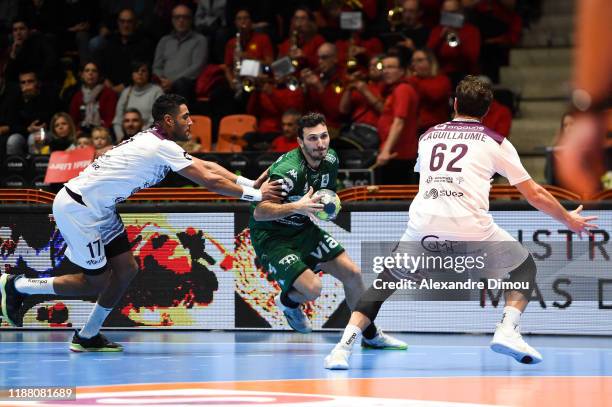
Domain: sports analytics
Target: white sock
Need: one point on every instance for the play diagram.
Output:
(351, 334)
(511, 317)
(35, 285)
(95, 321)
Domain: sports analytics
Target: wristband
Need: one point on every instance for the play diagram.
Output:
(250, 194)
(245, 182)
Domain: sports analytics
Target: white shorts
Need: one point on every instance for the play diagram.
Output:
(89, 238)
(503, 252)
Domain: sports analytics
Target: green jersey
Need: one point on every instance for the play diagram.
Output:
(297, 175)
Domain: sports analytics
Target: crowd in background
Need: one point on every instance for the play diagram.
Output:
(78, 72)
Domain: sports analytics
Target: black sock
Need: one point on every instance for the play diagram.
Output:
(288, 302)
(370, 331)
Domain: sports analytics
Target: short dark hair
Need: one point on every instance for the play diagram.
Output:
(292, 112)
(133, 110)
(136, 64)
(309, 120)
(167, 104)
(402, 54)
(474, 96)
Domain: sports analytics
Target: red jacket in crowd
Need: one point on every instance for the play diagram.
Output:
(269, 107)
(434, 94)
(328, 101)
(462, 58)
(282, 144)
(512, 37)
(107, 103)
(362, 111)
(258, 47)
(402, 101)
(373, 47)
(309, 49)
(499, 118)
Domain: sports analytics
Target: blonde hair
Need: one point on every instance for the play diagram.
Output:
(105, 132)
(71, 126)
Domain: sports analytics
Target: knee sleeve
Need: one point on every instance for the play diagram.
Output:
(526, 272)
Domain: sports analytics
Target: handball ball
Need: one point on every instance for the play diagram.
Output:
(331, 204)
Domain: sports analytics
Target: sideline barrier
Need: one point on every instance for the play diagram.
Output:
(198, 270)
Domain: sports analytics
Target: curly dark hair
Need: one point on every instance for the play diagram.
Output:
(474, 96)
(309, 120)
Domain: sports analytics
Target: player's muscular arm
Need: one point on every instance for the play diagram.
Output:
(272, 211)
(542, 200)
(217, 169)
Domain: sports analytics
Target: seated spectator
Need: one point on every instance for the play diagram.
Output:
(32, 51)
(180, 55)
(211, 21)
(500, 27)
(102, 140)
(303, 42)
(34, 109)
(412, 31)
(61, 136)
(362, 98)
(121, 49)
(288, 140)
(324, 88)
(9, 98)
(357, 46)
(434, 90)
(93, 104)
(397, 125)
(83, 140)
(132, 123)
(140, 95)
(456, 59)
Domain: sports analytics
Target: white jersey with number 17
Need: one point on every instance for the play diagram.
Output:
(456, 161)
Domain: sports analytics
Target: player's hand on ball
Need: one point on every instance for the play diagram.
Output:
(272, 191)
(331, 204)
(308, 204)
(580, 224)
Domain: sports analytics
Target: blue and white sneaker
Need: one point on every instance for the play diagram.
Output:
(11, 300)
(296, 318)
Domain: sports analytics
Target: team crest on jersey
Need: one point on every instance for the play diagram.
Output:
(330, 158)
(324, 180)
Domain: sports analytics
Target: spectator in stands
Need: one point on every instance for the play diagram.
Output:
(93, 104)
(61, 136)
(253, 45)
(101, 139)
(121, 49)
(434, 89)
(132, 123)
(325, 86)
(140, 95)
(303, 42)
(211, 21)
(9, 99)
(180, 55)
(83, 140)
(499, 116)
(31, 51)
(78, 17)
(288, 140)
(362, 98)
(500, 27)
(34, 109)
(397, 125)
(357, 47)
(412, 29)
(456, 58)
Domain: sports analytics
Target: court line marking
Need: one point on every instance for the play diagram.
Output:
(55, 360)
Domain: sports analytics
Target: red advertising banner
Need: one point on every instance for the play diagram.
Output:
(65, 165)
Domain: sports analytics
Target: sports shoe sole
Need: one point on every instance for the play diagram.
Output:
(3, 281)
(334, 367)
(79, 349)
(366, 346)
(520, 357)
(297, 330)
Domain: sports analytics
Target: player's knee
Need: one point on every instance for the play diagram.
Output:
(525, 273)
(313, 289)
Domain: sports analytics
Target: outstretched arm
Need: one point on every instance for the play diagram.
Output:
(272, 211)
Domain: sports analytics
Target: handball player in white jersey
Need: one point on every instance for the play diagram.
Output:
(456, 161)
(85, 213)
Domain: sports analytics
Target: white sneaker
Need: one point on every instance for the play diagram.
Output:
(508, 341)
(338, 359)
(383, 341)
(296, 318)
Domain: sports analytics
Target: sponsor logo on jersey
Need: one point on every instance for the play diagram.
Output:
(288, 259)
(429, 179)
(434, 193)
(460, 180)
(287, 184)
(324, 180)
(440, 127)
(292, 173)
(330, 158)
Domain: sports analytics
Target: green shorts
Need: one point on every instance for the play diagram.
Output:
(285, 258)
